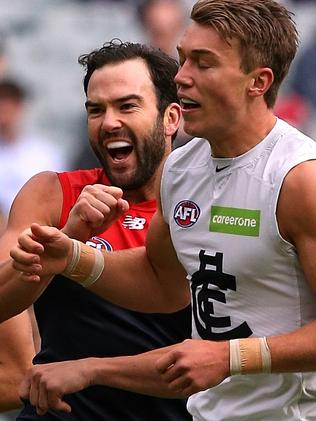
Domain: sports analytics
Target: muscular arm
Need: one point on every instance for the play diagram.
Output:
(46, 384)
(148, 279)
(39, 200)
(296, 215)
(16, 353)
(16, 336)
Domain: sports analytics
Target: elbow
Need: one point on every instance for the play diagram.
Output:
(10, 399)
(180, 302)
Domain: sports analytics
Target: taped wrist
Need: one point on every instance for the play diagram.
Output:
(249, 356)
(86, 264)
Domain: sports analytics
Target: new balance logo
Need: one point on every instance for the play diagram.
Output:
(134, 223)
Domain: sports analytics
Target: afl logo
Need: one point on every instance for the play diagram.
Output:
(186, 213)
(99, 243)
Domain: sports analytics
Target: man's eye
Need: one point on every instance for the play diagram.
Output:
(93, 110)
(128, 106)
(204, 65)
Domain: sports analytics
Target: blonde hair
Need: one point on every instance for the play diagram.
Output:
(265, 30)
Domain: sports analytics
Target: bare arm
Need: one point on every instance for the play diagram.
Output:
(297, 222)
(16, 335)
(148, 279)
(16, 353)
(46, 384)
(39, 200)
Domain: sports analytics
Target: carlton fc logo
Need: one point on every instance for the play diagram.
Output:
(186, 213)
(99, 243)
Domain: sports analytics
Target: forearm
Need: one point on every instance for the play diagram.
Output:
(295, 351)
(286, 353)
(136, 373)
(9, 397)
(132, 282)
(16, 354)
(9, 388)
(129, 278)
(126, 278)
(148, 279)
(16, 295)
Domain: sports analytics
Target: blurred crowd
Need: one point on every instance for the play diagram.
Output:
(42, 116)
(297, 102)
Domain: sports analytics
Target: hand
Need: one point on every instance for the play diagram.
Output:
(46, 384)
(97, 207)
(41, 251)
(194, 365)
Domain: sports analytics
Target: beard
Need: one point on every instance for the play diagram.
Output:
(149, 152)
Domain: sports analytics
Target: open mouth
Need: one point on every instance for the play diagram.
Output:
(189, 104)
(119, 150)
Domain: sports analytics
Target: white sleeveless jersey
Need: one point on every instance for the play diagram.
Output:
(245, 279)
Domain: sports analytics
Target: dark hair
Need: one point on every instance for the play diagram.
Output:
(264, 28)
(162, 68)
(11, 89)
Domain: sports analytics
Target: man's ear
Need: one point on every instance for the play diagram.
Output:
(172, 118)
(260, 82)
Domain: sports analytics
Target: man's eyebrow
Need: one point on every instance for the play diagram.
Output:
(198, 51)
(137, 97)
(128, 97)
(89, 104)
(203, 51)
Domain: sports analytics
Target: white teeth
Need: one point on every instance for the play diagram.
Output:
(117, 144)
(187, 101)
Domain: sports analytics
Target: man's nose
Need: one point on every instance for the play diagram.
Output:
(184, 76)
(111, 121)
